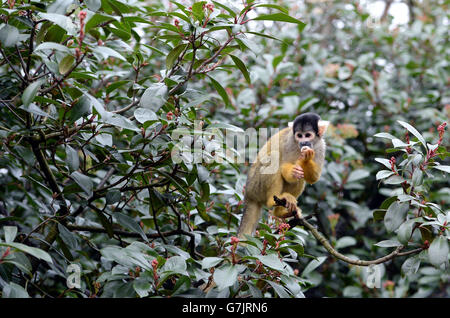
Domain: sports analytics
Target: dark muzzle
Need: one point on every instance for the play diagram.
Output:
(305, 144)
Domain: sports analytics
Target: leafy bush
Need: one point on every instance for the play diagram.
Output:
(98, 97)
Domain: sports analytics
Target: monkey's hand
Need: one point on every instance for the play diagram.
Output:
(307, 155)
(297, 172)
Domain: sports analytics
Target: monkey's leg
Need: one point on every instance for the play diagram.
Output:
(250, 219)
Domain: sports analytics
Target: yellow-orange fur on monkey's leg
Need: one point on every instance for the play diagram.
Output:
(311, 169)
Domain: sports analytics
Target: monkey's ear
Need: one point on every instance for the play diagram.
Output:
(290, 124)
(323, 125)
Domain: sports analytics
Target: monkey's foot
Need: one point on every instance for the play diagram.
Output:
(293, 209)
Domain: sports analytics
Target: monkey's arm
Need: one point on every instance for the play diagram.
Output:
(311, 169)
(286, 172)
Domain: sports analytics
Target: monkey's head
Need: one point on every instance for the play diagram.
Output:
(308, 128)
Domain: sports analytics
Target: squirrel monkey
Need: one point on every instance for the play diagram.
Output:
(292, 157)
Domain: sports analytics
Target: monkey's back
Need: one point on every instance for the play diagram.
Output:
(258, 183)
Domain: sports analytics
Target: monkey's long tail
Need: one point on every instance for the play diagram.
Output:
(250, 219)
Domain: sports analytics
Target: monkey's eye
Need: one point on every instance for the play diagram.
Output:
(299, 135)
(307, 135)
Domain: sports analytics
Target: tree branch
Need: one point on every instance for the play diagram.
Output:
(322, 240)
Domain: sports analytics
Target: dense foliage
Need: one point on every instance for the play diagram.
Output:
(112, 163)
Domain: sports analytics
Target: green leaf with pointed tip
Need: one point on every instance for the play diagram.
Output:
(438, 251)
(61, 20)
(130, 224)
(281, 17)
(83, 181)
(66, 64)
(72, 159)
(241, 66)
(442, 168)
(414, 131)
(36, 252)
(174, 54)
(30, 93)
(10, 233)
(395, 215)
(220, 90)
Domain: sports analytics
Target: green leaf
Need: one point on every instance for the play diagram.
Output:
(220, 90)
(154, 96)
(197, 10)
(93, 5)
(404, 232)
(388, 243)
(417, 177)
(72, 159)
(66, 64)
(68, 237)
(142, 286)
(411, 265)
(209, 262)
(225, 276)
(279, 289)
(81, 108)
(345, 241)
(385, 135)
(241, 67)
(33, 251)
(280, 16)
(143, 114)
(115, 85)
(9, 35)
(113, 196)
(358, 174)
(413, 131)
(60, 20)
(120, 31)
(174, 54)
(394, 179)
(105, 223)
(10, 233)
(271, 261)
(59, 6)
(105, 139)
(352, 291)
(273, 6)
(232, 12)
(175, 264)
(438, 251)
(33, 109)
(378, 215)
(395, 215)
(13, 290)
(96, 19)
(120, 121)
(383, 174)
(384, 162)
(52, 46)
(106, 52)
(30, 93)
(442, 168)
(83, 181)
(313, 265)
(130, 224)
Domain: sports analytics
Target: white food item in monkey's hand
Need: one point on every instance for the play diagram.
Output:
(304, 148)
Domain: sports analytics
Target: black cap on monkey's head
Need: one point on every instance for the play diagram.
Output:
(306, 121)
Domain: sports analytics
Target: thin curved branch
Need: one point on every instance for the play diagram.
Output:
(322, 240)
